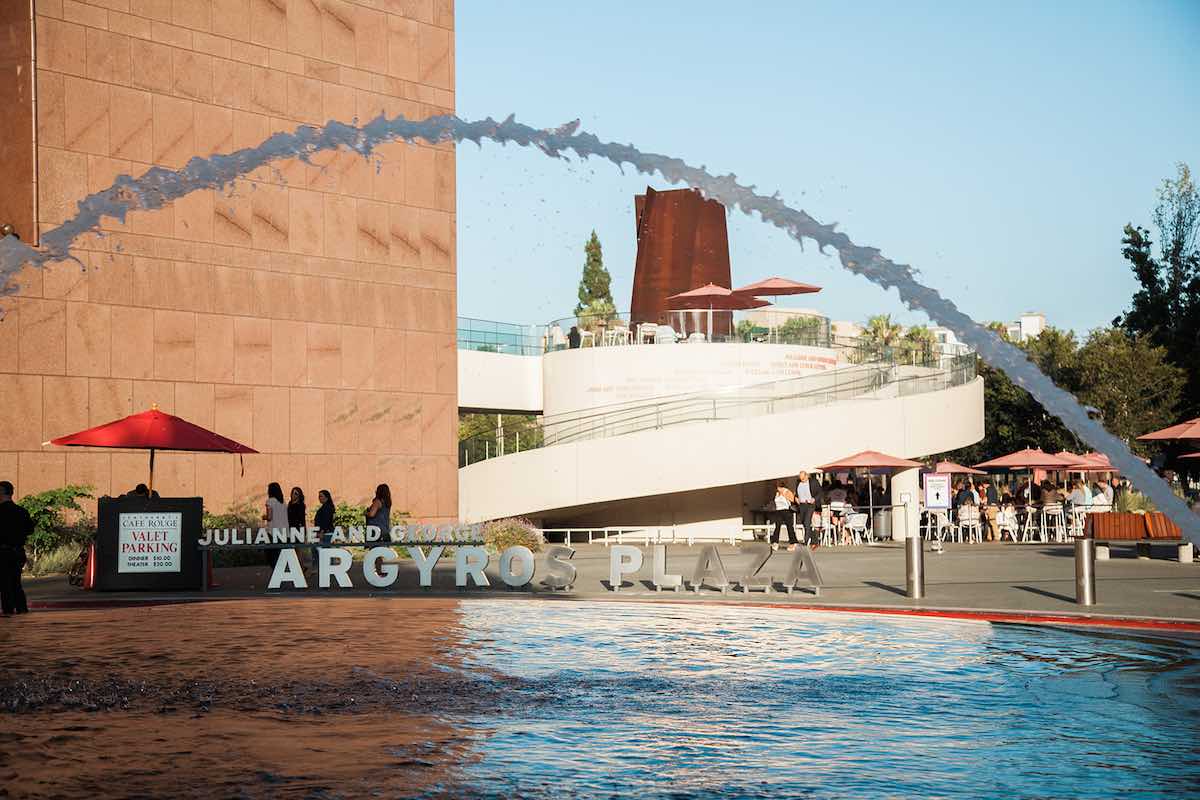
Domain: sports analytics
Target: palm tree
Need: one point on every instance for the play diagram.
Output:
(919, 341)
(880, 330)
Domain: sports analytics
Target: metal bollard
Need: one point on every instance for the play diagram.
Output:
(1085, 572)
(914, 566)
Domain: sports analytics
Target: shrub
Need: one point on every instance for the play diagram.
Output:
(505, 533)
(241, 515)
(56, 561)
(346, 515)
(58, 519)
(1135, 502)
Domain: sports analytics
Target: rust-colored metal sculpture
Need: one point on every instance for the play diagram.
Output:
(682, 243)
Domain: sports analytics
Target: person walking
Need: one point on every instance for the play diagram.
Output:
(808, 501)
(15, 527)
(783, 514)
(379, 513)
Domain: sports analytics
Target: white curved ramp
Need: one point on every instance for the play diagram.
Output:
(720, 453)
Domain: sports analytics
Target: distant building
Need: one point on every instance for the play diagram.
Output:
(948, 343)
(1029, 326)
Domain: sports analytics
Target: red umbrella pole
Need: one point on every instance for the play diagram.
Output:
(151, 470)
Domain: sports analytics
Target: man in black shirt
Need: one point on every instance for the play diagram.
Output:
(15, 527)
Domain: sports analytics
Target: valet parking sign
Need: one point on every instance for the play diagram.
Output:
(149, 541)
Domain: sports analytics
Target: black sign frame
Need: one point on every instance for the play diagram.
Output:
(191, 563)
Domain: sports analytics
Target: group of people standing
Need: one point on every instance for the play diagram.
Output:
(279, 515)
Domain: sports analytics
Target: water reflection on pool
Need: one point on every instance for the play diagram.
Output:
(400, 697)
(688, 701)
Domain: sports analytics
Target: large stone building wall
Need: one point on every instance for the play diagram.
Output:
(309, 312)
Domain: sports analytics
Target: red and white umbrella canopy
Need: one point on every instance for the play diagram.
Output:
(1029, 458)
(711, 296)
(1184, 430)
(951, 468)
(776, 287)
(869, 459)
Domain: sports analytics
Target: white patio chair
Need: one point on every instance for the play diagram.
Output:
(1054, 520)
(856, 526)
(969, 526)
(696, 337)
(1032, 525)
(1006, 522)
(665, 334)
(822, 523)
(647, 332)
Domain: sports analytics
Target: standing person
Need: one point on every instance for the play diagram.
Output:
(379, 513)
(323, 521)
(15, 527)
(808, 500)
(783, 514)
(992, 509)
(275, 512)
(296, 510)
(574, 338)
(297, 518)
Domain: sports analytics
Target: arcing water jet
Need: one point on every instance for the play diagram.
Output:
(159, 186)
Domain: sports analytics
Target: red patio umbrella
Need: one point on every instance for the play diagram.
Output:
(1029, 459)
(869, 460)
(951, 468)
(776, 287)
(153, 430)
(1184, 430)
(713, 297)
(1191, 455)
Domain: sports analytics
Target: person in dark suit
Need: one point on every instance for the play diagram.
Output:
(15, 527)
(809, 496)
(574, 338)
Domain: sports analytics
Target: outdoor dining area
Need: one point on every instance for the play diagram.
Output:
(700, 315)
(983, 504)
(1023, 497)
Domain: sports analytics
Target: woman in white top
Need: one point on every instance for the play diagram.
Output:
(275, 511)
(782, 504)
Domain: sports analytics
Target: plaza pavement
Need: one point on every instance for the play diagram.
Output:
(1009, 579)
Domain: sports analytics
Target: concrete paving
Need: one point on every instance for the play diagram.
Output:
(1010, 579)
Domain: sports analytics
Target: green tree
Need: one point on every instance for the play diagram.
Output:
(1126, 378)
(799, 330)
(1129, 380)
(478, 436)
(1053, 351)
(1167, 307)
(919, 344)
(880, 331)
(596, 283)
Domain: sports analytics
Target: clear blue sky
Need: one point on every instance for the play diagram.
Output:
(999, 151)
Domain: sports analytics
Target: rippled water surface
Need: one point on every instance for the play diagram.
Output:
(398, 697)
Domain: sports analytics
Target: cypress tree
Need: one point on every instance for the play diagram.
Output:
(596, 282)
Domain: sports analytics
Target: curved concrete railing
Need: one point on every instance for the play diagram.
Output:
(914, 415)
